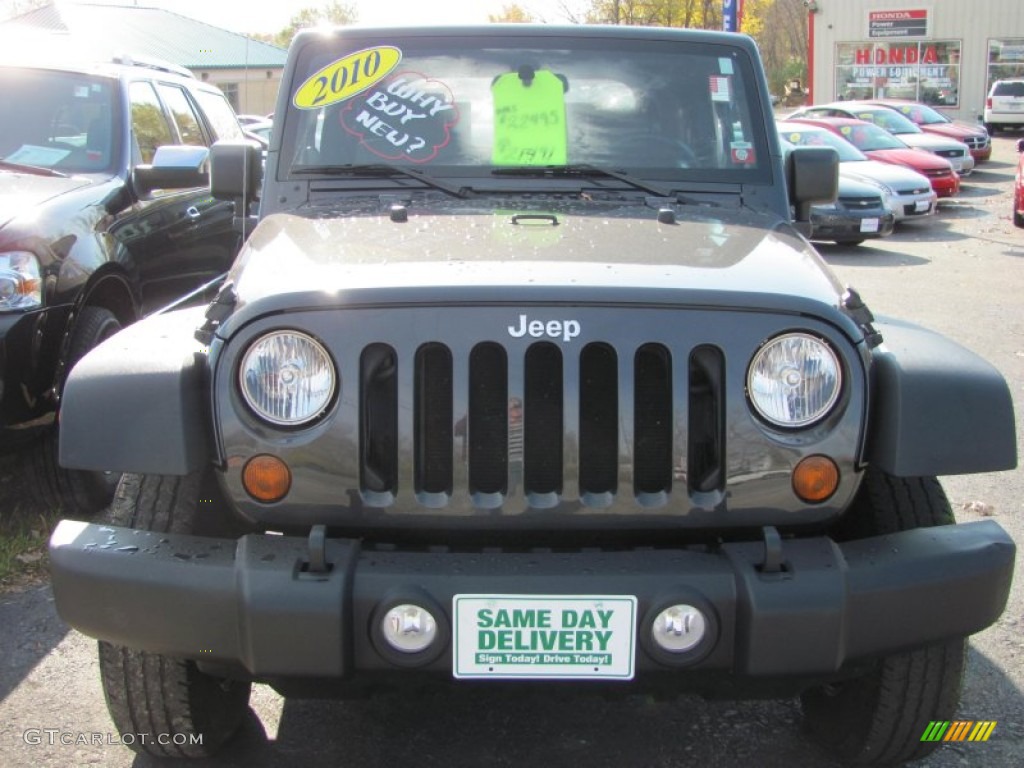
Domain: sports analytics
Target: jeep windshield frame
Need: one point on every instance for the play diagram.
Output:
(670, 111)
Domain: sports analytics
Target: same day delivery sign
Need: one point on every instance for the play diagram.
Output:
(544, 636)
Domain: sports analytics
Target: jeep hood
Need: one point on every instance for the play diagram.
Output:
(21, 192)
(720, 258)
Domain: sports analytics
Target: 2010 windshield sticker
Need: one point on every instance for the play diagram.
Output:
(347, 77)
(408, 116)
(720, 87)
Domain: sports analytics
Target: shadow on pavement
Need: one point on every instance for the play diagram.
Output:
(29, 630)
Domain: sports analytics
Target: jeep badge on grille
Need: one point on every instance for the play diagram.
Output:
(566, 329)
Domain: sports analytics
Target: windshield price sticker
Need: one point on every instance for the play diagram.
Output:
(344, 78)
(537, 636)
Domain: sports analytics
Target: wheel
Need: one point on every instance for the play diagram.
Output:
(879, 717)
(156, 694)
(77, 492)
(1018, 219)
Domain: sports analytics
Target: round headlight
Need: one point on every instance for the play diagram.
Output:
(794, 380)
(287, 378)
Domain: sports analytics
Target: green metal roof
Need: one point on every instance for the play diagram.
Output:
(155, 33)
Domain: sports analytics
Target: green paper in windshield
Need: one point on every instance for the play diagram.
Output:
(529, 120)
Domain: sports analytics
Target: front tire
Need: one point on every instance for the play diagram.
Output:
(879, 717)
(195, 713)
(77, 492)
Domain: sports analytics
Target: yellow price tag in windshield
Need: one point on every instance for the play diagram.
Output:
(529, 120)
(347, 77)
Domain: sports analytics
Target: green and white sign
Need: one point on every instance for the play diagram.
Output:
(536, 636)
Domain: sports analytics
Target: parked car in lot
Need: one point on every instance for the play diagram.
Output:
(105, 213)
(956, 152)
(1018, 187)
(1004, 105)
(908, 194)
(878, 144)
(858, 213)
(931, 120)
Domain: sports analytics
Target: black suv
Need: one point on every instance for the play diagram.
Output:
(105, 213)
(525, 374)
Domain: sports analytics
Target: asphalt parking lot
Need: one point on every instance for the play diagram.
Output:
(961, 273)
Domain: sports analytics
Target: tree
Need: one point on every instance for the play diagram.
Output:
(701, 14)
(333, 12)
(511, 13)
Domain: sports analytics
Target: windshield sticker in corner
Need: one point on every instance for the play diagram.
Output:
(347, 77)
(409, 116)
(720, 87)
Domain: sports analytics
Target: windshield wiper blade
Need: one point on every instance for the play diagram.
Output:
(584, 170)
(382, 169)
(39, 170)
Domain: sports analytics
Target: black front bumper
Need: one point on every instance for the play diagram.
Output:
(260, 604)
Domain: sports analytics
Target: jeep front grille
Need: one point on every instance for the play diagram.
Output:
(518, 434)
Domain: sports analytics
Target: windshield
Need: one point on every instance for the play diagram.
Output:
(812, 136)
(891, 121)
(57, 120)
(463, 106)
(922, 115)
(868, 137)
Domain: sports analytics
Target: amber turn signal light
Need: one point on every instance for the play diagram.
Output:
(266, 478)
(815, 479)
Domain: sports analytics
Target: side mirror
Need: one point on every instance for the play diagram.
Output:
(236, 173)
(1020, 145)
(174, 167)
(812, 174)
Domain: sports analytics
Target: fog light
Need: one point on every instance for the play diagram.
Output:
(679, 628)
(409, 628)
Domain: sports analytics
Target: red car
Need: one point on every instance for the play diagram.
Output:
(932, 121)
(1018, 188)
(878, 144)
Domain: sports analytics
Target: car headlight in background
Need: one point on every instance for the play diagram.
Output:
(287, 378)
(794, 380)
(20, 286)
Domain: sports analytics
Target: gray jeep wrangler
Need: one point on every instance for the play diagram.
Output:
(526, 372)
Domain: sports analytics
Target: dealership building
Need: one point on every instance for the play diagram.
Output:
(944, 52)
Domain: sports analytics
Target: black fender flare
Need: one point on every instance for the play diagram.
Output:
(135, 403)
(936, 407)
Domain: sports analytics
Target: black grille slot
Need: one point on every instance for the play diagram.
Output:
(378, 419)
(543, 420)
(652, 414)
(434, 432)
(599, 419)
(706, 440)
(488, 419)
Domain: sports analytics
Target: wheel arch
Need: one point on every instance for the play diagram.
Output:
(936, 407)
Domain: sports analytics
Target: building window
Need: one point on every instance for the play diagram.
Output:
(928, 71)
(230, 90)
(1005, 60)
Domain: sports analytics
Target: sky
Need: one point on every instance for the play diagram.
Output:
(261, 16)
